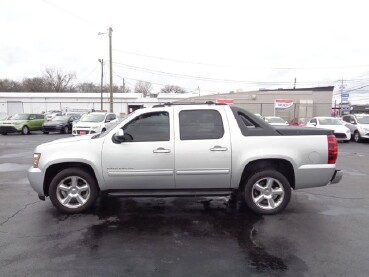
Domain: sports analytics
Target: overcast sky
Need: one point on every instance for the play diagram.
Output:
(220, 46)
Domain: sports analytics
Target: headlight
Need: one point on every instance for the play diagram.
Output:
(347, 131)
(36, 159)
(60, 124)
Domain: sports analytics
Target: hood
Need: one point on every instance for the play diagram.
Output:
(53, 123)
(12, 121)
(70, 140)
(88, 124)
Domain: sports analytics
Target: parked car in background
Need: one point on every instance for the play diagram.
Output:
(358, 125)
(61, 124)
(341, 132)
(301, 121)
(51, 114)
(275, 120)
(93, 123)
(22, 123)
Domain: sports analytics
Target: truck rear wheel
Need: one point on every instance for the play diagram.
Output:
(267, 192)
(73, 190)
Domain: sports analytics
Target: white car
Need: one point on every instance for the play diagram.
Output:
(275, 120)
(93, 123)
(358, 125)
(341, 132)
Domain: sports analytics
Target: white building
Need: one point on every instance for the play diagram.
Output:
(37, 102)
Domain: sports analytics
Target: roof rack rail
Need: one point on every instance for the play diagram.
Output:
(168, 104)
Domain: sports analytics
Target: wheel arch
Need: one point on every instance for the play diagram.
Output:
(54, 169)
(281, 165)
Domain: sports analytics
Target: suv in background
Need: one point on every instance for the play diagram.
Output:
(358, 125)
(94, 123)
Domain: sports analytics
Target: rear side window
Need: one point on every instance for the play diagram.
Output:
(200, 124)
(148, 127)
(39, 116)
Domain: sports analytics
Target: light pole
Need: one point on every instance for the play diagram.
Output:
(101, 87)
(111, 66)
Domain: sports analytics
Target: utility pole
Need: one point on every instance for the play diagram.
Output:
(111, 68)
(102, 77)
(199, 90)
(124, 86)
(294, 85)
(341, 87)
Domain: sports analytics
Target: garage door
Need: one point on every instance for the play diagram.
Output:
(14, 107)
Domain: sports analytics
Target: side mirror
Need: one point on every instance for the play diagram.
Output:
(352, 121)
(107, 121)
(119, 136)
(314, 124)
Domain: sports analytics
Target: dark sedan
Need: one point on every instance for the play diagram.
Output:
(60, 124)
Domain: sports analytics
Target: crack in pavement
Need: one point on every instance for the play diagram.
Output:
(17, 212)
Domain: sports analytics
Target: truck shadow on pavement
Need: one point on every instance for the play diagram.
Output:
(186, 227)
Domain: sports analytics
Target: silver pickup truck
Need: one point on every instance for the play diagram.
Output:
(186, 150)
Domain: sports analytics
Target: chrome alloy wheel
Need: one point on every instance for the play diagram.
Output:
(268, 193)
(73, 192)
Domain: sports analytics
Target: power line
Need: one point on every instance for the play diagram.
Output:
(235, 66)
(208, 79)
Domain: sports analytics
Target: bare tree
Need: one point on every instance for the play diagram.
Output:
(88, 87)
(59, 81)
(7, 85)
(143, 87)
(36, 84)
(172, 89)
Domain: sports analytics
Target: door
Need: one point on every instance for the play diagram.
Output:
(35, 122)
(203, 148)
(145, 160)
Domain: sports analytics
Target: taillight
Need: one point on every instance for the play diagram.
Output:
(332, 149)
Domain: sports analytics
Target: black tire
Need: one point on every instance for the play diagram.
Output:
(45, 132)
(278, 180)
(65, 130)
(64, 175)
(25, 130)
(357, 136)
(4, 134)
(346, 141)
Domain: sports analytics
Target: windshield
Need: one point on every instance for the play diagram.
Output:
(93, 118)
(275, 120)
(60, 118)
(20, 117)
(362, 119)
(329, 121)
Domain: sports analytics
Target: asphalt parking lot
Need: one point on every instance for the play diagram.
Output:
(323, 232)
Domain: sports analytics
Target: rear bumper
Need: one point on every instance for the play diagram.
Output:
(337, 176)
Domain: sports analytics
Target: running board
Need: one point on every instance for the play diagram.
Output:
(169, 193)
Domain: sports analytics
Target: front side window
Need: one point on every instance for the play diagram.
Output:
(200, 124)
(148, 127)
(313, 121)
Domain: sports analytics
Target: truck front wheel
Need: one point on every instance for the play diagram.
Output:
(267, 192)
(73, 190)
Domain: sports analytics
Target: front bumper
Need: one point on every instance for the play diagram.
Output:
(52, 129)
(8, 129)
(337, 176)
(342, 136)
(77, 132)
(36, 179)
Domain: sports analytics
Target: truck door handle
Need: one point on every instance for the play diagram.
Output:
(218, 148)
(161, 150)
